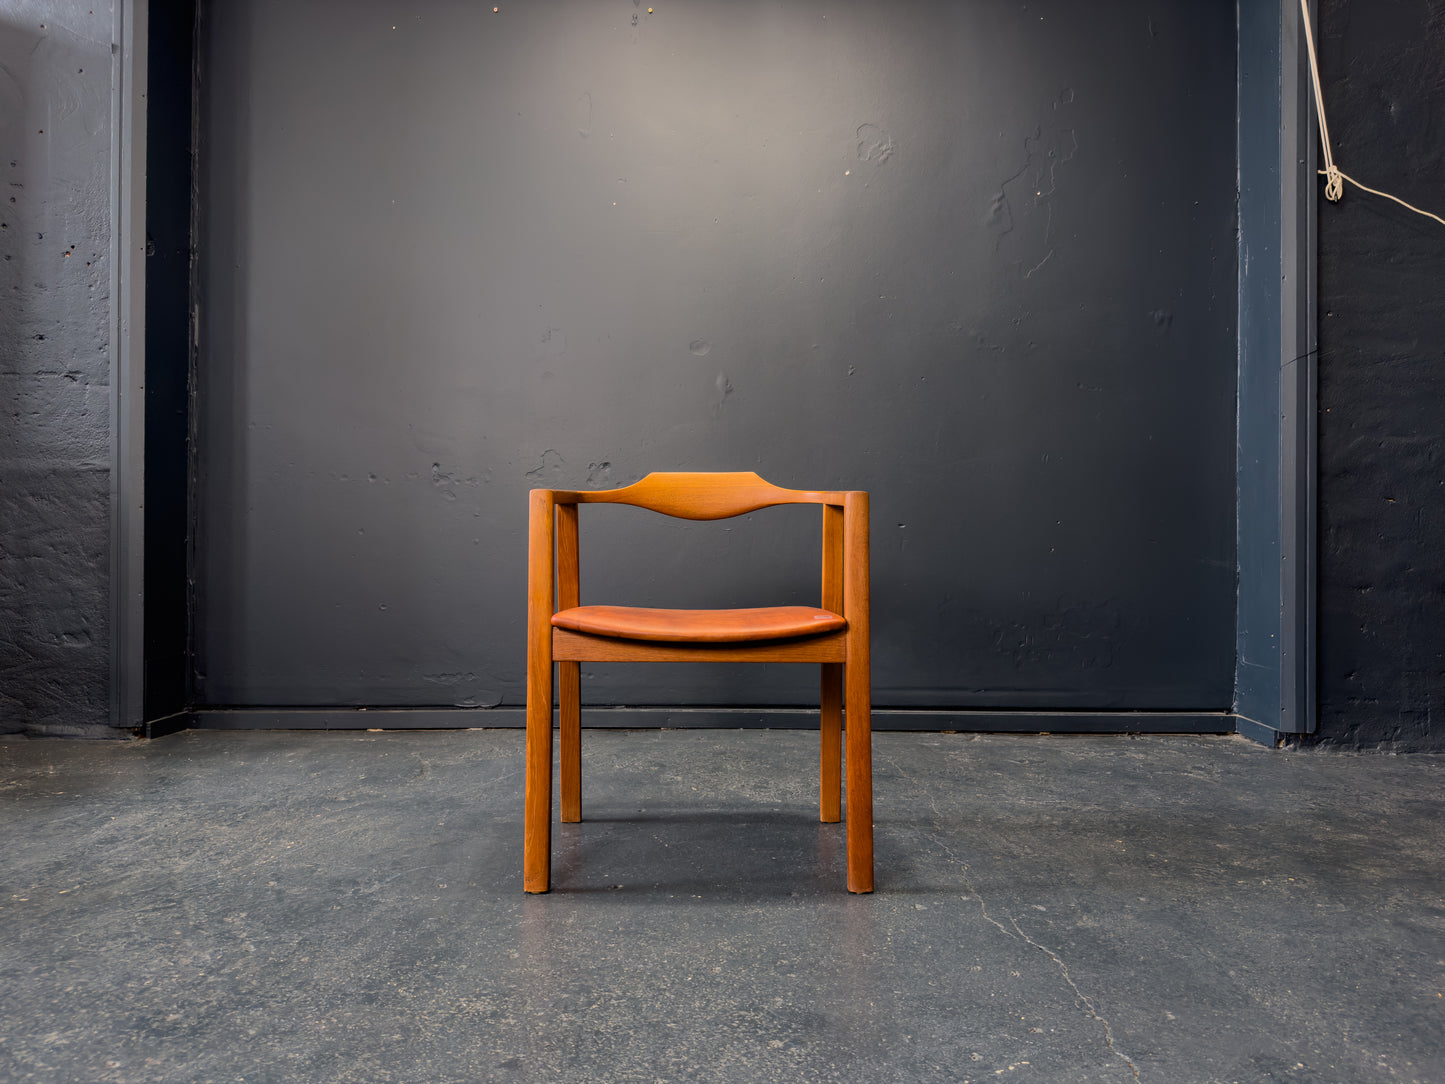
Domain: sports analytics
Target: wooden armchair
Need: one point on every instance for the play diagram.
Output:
(561, 630)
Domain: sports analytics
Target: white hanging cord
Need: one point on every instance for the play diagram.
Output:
(1334, 177)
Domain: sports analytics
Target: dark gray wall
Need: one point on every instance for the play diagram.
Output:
(1382, 380)
(1381, 566)
(55, 442)
(170, 92)
(976, 258)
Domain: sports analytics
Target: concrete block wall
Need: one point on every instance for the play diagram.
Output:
(55, 431)
(1382, 380)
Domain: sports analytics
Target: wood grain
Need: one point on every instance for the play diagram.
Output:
(569, 738)
(569, 674)
(832, 592)
(830, 745)
(541, 604)
(700, 496)
(569, 587)
(830, 725)
(858, 694)
(584, 648)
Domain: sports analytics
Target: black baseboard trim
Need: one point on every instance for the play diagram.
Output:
(166, 724)
(1013, 722)
(1258, 732)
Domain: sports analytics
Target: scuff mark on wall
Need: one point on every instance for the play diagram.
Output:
(466, 689)
(1084, 635)
(446, 482)
(724, 388)
(874, 144)
(584, 114)
(1021, 213)
(548, 465)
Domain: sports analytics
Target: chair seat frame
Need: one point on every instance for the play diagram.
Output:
(553, 584)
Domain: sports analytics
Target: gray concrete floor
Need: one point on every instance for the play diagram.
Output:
(273, 906)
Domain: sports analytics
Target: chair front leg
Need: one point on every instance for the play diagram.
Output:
(537, 816)
(858, 693)
(541, 604)
(860, 777)
(569, 734)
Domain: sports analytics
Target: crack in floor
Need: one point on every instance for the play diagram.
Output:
(1085, 998)
(968, 885)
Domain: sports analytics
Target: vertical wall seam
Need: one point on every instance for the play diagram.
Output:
(1239, 336)
(117, 541)
(193, 360)
(127, 362)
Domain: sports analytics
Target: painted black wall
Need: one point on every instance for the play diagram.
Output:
(976, 258)
(170, 92)
(55, 439)
(1381, 367)
(1382, 380)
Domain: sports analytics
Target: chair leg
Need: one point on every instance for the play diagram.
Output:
(537, 815)
(831, 745)
(860, 777)
(569, 735)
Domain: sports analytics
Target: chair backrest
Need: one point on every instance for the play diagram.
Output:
(701, 496)
(553, 543)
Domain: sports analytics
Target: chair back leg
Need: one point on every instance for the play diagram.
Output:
(537, 806)
(569, 736)
(830, 758)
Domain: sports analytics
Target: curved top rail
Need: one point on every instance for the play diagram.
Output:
(700, 495)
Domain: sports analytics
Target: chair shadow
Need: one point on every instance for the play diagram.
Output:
(664, 856)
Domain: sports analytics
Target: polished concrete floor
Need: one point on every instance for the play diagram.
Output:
(273, 906)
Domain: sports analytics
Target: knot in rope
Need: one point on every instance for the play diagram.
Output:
(1334, 179)
(1334, 182)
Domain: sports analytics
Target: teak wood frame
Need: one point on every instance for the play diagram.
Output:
(553, 586)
